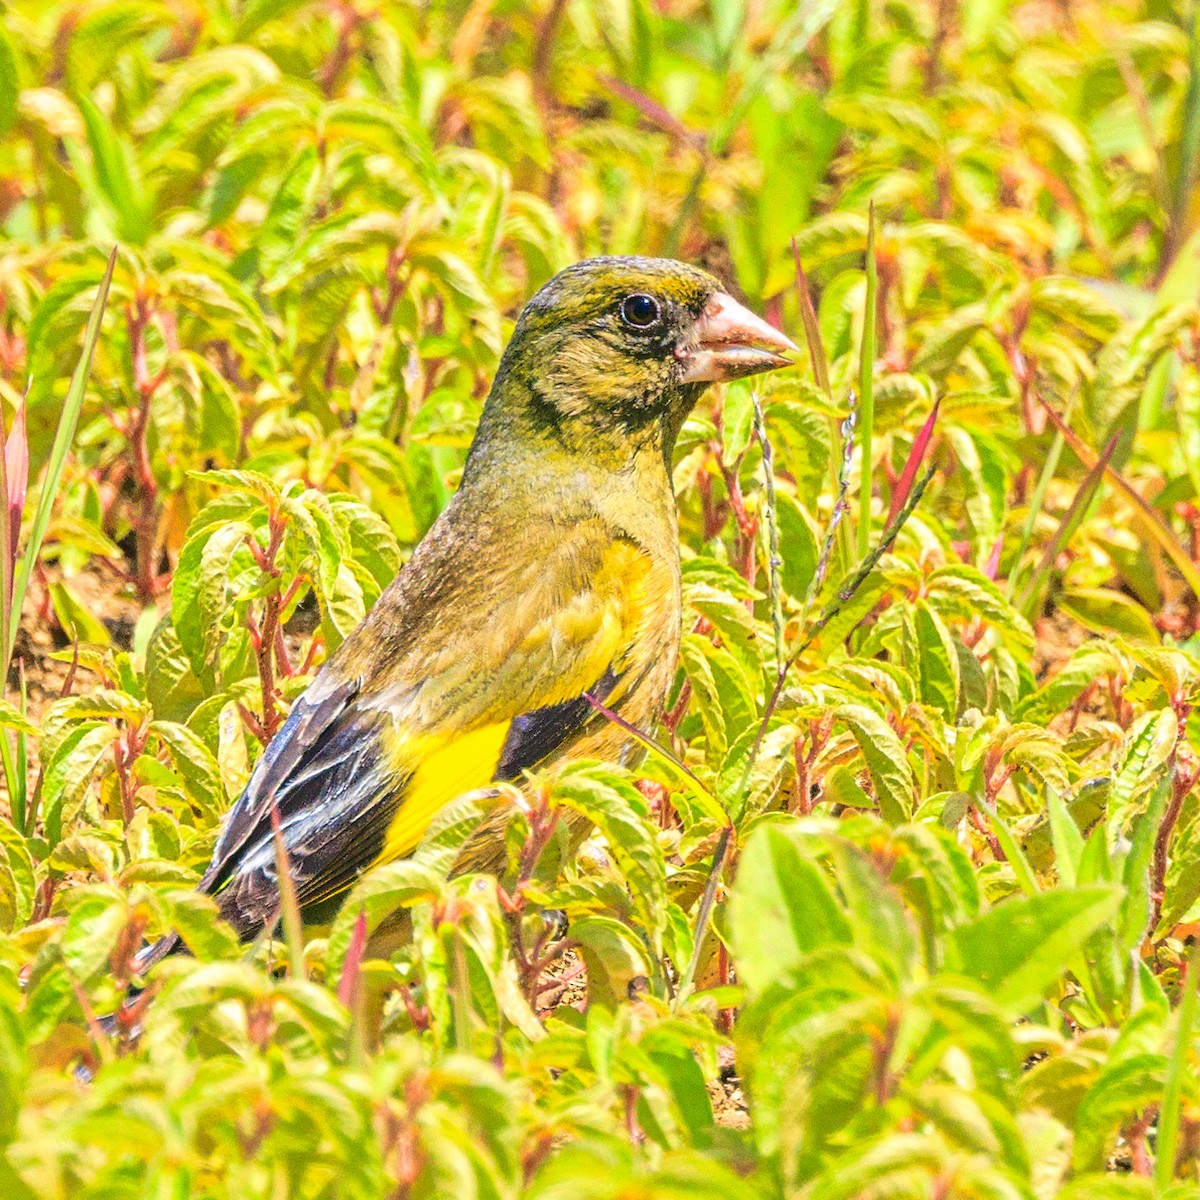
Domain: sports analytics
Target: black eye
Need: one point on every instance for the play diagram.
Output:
(640, 311)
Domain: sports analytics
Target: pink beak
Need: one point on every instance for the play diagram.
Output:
(729, 342)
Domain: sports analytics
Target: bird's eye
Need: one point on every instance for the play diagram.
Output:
(640, 311)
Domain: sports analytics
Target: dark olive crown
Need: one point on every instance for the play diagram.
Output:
(644, 304)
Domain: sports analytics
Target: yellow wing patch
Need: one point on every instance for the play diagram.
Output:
(466, 762)
(557, 658)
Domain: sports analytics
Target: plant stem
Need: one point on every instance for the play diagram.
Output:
(1154, 525)
(1067, 525)
(460, 993)
(771, 519)
(1189, 145)
(145, 520)
(125, 751)
(1182, 782)
(820, 366)
(547, 31)
(706, 906)
(268, 638)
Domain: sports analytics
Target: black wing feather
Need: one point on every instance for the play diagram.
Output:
(297, 745)
(335, 799)
(535, 735)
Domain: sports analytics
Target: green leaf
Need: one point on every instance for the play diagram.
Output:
(1183, 875)
(1107, 1186)
(10, 86)
(886, 760)
(15, 1069)
(1068, 841)
(378, 893)
(1015, 855)
(216, 559)
(939, 665)
(195, 763)
(1019, 949)
(96, 921)
(77, 622)
(614, 955)
(1123, 1090)
(737, 423)
(741, 635)
(720, 692)
(195, 918)
(64, 434)
(1147, 748)
(114, 167)
(70, 773)
(799, 547)
(291, 205)
(986, 498)
(19, 881)
(782, 907)
(1106, 611)
(618, 810)
(12, 718)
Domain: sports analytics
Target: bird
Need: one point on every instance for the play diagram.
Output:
(550, 580)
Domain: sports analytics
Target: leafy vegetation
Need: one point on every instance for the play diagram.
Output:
(900, 902)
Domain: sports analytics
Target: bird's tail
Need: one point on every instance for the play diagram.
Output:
(155, 952)
(126, 1022)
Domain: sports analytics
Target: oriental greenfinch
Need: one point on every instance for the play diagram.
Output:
(552, 579)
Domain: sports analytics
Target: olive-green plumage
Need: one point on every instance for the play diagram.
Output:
(552, 574)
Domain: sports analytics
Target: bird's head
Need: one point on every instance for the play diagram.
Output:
(619, 349)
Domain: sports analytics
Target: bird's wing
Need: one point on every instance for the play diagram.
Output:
(358, 772)
(322, 774)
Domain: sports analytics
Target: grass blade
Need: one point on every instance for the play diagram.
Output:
(289, 906)
(657, 751)
(1070, 519)
(14, 478)
(812, 330)
(705, 911)
(1154, 524)
(771, 523)
(866, 390)
(908, 476)
(352, 966)
(1023, 872)
(1189, 145)
(1038, 499)
(350, 991)
(1171, 1111)
(14, 780)
(16, 471)
(820, 366)
(22, 739)
(8, 624)
(63, 437)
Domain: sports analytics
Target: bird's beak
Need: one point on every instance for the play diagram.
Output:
(728, 341)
